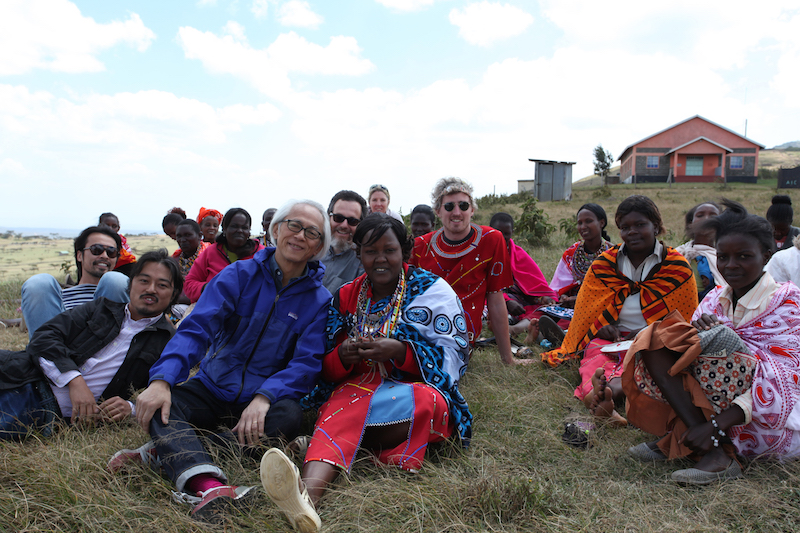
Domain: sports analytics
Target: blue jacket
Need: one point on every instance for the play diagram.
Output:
(261, 340)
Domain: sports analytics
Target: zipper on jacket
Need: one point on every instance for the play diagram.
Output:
(258, 341)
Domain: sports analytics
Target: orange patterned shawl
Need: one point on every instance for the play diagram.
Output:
(670, 285)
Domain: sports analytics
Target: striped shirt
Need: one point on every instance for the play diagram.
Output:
(78, 295)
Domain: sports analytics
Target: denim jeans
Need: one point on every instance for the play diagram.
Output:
(41, 297)
(195, 409)
(30, 407)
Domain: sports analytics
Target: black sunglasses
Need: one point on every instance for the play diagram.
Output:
(98, 249)
(463, 205)
(351, 221)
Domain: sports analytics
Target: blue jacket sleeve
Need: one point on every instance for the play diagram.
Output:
(197, 331)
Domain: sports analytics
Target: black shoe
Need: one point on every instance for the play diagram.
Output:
(550, 331)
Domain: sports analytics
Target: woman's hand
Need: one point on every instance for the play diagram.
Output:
(382, 349)
(514, 308)
(349, 353)
(567, 301)
(698, 438)
(609, 333)
(705, 322)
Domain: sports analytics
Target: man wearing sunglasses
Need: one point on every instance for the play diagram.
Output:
(96, 252)
(472, 258)
(346, 210)
(84, 364)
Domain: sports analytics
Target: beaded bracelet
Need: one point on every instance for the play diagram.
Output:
(721, 433)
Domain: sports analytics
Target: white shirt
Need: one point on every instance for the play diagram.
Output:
(99, 370)
(630, 316)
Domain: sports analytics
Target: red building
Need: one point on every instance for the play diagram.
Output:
(693, 150)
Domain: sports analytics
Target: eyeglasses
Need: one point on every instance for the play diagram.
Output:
(462, 205)
(98, 249)
(351, 221)
(295, 227)
(378, 187)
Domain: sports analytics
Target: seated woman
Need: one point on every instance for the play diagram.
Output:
(781, 215)
(575, 262)
(378, 200)
(209, 220)
(125, 259)
(170, 222)
(625, 289)
(727, 383)
(398, 348)
(699, 250)
(232, 244)
(530, 289)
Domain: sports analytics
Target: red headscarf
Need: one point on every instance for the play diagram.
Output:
(208, 213)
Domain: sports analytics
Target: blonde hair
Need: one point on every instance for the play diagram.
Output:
(451, 185)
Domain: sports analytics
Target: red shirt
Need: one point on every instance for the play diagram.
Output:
(475, 267)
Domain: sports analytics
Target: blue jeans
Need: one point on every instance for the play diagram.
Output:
(28, 408)
(194, 410)
(41, 297)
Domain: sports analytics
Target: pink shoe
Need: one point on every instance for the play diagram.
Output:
(145, 454)
(215, 500)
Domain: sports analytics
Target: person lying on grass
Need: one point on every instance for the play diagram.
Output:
(397, 348)
(625, 289)
(727, 382)
(259, 330)
(83, 364)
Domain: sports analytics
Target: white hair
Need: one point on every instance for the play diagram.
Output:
(285, 209)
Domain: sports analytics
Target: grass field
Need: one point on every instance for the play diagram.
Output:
(517, 475)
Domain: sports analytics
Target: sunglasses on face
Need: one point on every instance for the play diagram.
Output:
(351, 221)
(98, 249)
(296, 227)
(462, 205)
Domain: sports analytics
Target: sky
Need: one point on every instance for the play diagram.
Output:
(136, 107)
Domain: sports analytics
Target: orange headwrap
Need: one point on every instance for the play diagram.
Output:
(208, 213)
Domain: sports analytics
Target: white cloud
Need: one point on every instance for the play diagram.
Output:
(145, 119)
(10, 167)
(53, 35)
(268, 69)
(260, 8)
(298, 13)
(484, 23)
(406, 5)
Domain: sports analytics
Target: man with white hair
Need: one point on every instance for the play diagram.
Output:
(259, 328)
(473, 259)
(346, 210)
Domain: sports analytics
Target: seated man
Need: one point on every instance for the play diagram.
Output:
(264, 354)
(346, 210)
(97, 352)
(96, 251)
(473, 259)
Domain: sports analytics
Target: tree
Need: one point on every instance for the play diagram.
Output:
(602, 162)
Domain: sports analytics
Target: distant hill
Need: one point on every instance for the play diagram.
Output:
(786, 146)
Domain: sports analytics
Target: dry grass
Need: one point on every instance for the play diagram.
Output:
(517, 475)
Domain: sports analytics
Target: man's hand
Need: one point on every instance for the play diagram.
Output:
(609, 333)
(84, 406)
(705, 322)
(251, 424)
(115, 409)
(157, 396)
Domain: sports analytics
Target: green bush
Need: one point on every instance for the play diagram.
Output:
(533, 224)
(569, 226)
(602, 192)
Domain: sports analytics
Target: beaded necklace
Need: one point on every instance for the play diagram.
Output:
(582, 259)
(380, 323)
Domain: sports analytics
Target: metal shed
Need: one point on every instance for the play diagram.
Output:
(552, 180)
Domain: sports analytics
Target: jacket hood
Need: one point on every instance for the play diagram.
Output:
(316, 270)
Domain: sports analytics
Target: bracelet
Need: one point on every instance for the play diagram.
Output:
(716, 426)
